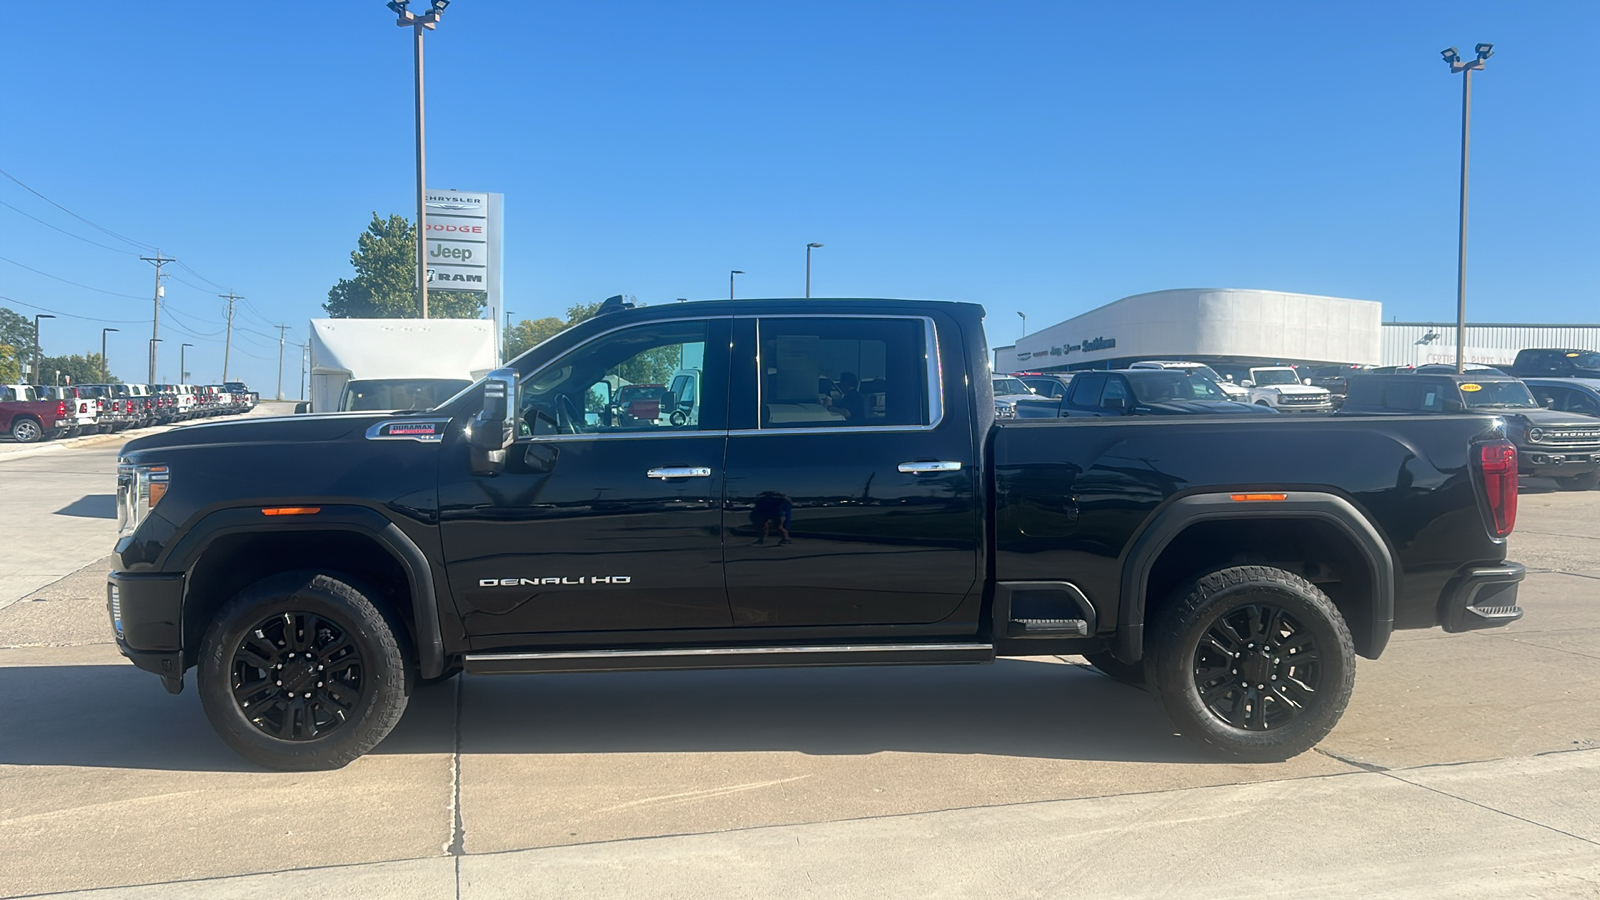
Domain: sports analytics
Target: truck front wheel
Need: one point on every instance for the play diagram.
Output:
(1253, 662)
(300, 672)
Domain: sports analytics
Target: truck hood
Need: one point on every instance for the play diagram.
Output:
(1544, 418)
(299, 429)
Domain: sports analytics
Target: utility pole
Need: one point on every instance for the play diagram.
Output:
(281, 330)
(183, 367)
(155, 319)
(105, 367)
(305, 351)
(227, 344)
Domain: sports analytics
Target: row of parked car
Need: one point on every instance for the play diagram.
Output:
(1553, 415)
(39, 412)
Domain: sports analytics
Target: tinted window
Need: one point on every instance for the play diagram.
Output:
(1412, 395)
(1116, 389)
(1086, 390)
(843, 373)
(618, 383)
(1497, 395)
(1173, 384)
(396, 393)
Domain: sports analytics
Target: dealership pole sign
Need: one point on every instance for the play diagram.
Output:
(464, 247)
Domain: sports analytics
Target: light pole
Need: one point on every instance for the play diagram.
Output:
(1453, 59)
(730, 281)
(183, 370)
(36, 373)
(429, 21)
(809, 247)
(153, 343)
(1024, 323)
(105, 366)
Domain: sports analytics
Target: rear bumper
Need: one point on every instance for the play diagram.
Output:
(1481, 597)
(146, 611)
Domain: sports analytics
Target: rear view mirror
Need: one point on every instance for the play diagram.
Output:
(304, 406)
(1247, 383)
(493, 429)
(1117, 403)
(1549, 402)
(1305, 381)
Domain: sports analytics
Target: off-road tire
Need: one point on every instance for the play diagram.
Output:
(1127, 673)
(1306, 663)
(380, 683)
(1584, 482)
(26, 430)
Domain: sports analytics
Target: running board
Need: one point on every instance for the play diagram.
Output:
(725, 658)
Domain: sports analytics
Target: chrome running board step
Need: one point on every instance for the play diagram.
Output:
(726, 658)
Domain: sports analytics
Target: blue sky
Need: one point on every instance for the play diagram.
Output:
(1035, 157)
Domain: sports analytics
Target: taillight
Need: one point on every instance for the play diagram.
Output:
(61, 409)
(1497, 460)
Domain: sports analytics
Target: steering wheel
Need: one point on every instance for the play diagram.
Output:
(568, 419)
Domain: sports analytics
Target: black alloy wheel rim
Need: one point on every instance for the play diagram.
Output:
(1257, 668)
(298, 676)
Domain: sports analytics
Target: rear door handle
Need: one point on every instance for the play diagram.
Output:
(928, 467)
(679, 472)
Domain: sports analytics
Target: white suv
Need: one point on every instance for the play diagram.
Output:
(1280, 387)
(1233, 391)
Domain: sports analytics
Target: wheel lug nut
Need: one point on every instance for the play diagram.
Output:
(280, 684)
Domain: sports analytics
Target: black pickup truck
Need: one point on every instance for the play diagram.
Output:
(822, 483)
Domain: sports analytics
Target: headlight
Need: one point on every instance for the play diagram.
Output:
(1536, 435)
(139, 489)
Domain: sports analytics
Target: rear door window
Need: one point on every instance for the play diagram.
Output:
(818, 372)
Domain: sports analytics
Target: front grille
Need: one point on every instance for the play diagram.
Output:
(1570, 437)
(1301, 399)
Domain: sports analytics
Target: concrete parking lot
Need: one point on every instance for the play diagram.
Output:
(1467, 765)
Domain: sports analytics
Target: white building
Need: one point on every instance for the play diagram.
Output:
(1209, 324)
(1419, 343)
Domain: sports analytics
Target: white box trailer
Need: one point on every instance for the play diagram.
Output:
(393, 364)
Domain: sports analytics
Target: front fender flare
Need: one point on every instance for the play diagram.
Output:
(371, 523)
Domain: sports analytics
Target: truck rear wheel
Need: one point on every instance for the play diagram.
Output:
(1253, 662)
(300, 672)
(26, 430)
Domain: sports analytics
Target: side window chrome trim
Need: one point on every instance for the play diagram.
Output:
(931, 356)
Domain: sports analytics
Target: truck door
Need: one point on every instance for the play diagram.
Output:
(600, 521)
(852, 473)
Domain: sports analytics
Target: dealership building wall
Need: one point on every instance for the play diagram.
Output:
(1221, 325)
(1420, 343)
(1231, 325)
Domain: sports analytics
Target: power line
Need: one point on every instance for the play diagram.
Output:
(73, 283)
(71, 315)
(75, 215)
(68, 233)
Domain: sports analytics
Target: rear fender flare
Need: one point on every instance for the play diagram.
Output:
(1303, 505)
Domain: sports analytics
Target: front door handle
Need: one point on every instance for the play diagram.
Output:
(679, 472)
(928, 467)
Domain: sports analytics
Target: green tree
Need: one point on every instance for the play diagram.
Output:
(385, 284)
(16, 331)
(79, 369)
(10, 369)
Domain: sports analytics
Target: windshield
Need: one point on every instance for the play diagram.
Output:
(399, 393)
(1497, 395)
(1167, 385)
(1007, 385)
(1275, 376)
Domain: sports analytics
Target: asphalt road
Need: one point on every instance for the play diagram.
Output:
(1467, 765)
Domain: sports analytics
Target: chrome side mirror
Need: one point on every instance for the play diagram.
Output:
(490, 433)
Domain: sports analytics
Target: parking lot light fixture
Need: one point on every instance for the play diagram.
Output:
(1452, 58)
(809, 247)
(105, 366)
(1024, 323)
(36, 353)
(427, 21)
(730, 281)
